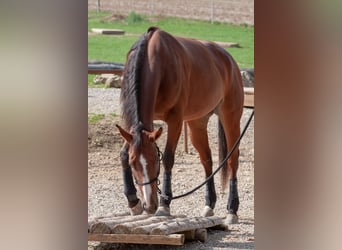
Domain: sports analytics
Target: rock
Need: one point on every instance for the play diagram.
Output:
(113, 82)
(110, 80)
(247, 77)
(98, 79)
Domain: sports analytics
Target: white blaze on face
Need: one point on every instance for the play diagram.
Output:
(146, 188)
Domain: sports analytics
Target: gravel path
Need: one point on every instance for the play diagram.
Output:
(104, 101)
(105, 192)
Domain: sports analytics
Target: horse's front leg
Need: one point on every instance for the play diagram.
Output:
(129, 189)
(173, 134)
(199, 139)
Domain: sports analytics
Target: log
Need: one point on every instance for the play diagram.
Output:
(105, 225)
(146, 229)
(125, 219)
(128, 227)
(99, 67)
(199, 234)
(90, 223)
(173, 239)
(93, 220)
(100, 228)
(110, 215)
(186, 224)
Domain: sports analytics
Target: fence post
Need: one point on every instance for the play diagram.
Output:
(98, 6)
(152, 7)
(212, 12)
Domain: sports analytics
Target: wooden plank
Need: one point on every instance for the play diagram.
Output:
(108, 31)
(227, 44)
(223, 44)
(249, 97)
(173, 239)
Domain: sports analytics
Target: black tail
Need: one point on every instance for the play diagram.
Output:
(131, 79)
(223, 150)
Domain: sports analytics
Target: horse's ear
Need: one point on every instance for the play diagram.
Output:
(154, 135)
(126, 135)
(157, 133)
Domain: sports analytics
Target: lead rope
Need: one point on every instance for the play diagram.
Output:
(218, 168)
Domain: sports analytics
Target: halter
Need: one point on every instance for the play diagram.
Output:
(160, 156)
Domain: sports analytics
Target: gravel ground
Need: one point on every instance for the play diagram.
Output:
(105, 191)
(103, 100)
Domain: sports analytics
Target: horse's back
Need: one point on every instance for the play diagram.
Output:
(196, 76)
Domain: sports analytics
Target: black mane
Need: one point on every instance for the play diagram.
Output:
(131, 83)
(130, 88)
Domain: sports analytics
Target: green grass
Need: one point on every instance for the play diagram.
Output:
(93, 118)
(114, 48)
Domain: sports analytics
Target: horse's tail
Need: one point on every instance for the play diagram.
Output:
(223, 150)
(132, 77)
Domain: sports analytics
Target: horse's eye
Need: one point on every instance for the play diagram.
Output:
(132, 160)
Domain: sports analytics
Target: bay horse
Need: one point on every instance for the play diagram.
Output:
(177, 79)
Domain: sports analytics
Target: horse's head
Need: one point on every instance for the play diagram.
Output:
(144, 158)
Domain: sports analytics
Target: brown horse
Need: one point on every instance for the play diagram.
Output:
(176, 79)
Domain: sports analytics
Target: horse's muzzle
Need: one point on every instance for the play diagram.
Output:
(151, 209)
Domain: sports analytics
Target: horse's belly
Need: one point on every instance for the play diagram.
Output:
(198, 109)
(188, 116)
(189, 106)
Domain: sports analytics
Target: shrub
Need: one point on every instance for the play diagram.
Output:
(134, 18)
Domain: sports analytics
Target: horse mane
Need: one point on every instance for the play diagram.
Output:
(130, 88)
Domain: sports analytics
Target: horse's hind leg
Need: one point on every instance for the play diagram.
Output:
(129, 189)
(199, 138)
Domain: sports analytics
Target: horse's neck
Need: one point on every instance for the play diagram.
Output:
(148, 96)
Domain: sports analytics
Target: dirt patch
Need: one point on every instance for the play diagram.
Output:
(102, 135)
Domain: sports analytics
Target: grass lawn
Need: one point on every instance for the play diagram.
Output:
(114, 48)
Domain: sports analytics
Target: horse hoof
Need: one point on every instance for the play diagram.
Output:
(163, 211)
(208, 211)
(231, 219)
(137, 209)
